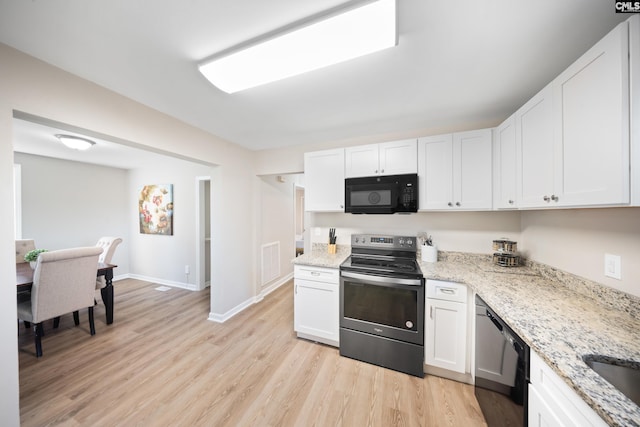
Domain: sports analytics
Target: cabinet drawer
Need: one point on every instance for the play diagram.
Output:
(317, 274)
(447, 291)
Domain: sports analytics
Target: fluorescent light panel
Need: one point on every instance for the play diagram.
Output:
(356, 32)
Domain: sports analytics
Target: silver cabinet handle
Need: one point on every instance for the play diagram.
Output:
(315, 273)
(431, 312)
(376, 171)
(511, 202)
(449, 204)
(448, 291)
(546, 198)
(382, 171)
(554, 197)
(458, 204)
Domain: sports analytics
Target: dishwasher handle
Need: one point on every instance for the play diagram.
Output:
(495, 321)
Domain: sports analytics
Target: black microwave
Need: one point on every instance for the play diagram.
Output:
(381, 194)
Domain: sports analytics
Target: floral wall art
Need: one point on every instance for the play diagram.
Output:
(155, 208)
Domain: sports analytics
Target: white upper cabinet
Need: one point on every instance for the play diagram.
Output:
(388, 158)
(534, 151)
(591, 125)
(634, 68)
(324, 181)
(455, 172)
(504, 165)
(572, 138)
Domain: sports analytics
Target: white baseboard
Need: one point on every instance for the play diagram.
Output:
(188, 286)
(221, 318)
(272, 287)
(214, 317)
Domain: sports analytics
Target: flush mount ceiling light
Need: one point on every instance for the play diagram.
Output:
(354, 30)
(75, 142)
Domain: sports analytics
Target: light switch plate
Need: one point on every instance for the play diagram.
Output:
(612, 266)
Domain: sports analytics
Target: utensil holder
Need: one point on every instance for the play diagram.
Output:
(429, 253)
(331, 248)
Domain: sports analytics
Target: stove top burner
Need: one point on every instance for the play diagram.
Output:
(393, 256)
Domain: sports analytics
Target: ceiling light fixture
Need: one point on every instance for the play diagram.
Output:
(339, 35)
(75, 142)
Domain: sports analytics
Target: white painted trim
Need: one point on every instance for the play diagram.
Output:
(187, 286)
(221, 318)
(267, 290)
(17, 199)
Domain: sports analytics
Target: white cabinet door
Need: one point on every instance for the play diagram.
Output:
(446, 335)
(361, 160)
(455, 172)
(388, 158)
(553, 403)
(472, 170)
(435, 172)
(534, 149)
(316, 310)
(504, 151)
(540, 415)
(398, 157)
(324, 181)
(591, 127)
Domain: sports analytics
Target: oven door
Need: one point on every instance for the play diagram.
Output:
(385, 306)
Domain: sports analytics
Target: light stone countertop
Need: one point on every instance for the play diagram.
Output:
(319, 257)
(561, 316)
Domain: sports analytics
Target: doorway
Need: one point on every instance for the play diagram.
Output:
(203, 232)
(299, 219)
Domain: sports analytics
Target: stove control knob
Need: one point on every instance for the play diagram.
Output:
(409, 242)
(401, 241)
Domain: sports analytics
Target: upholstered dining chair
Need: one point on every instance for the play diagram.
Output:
(22, 247)
(108, 245)
(63, 282)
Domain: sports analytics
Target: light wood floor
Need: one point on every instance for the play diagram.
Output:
(163, 364)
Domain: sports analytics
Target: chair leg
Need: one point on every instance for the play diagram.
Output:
(56, 322)
(37, 331)
(76, 318)
(92, 325)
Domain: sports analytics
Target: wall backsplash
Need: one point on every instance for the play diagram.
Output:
(451, 231)
(573, 240)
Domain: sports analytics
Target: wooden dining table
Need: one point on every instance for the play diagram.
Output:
(24, 281)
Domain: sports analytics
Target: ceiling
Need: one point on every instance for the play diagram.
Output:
(457, 65)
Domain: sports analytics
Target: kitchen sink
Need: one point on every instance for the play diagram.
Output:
(622, 374)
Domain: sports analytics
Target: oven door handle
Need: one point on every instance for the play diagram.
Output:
(382, 279)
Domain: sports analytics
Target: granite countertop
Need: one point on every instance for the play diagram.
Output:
(561, 316)
(320, 257)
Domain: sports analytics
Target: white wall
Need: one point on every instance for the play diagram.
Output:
(9, 395)
(163, 258)
(451, 231)
(67, 204)
(34, 87)
(277, 218)
(576, 240)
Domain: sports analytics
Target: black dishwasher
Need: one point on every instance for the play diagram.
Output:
(502, 370)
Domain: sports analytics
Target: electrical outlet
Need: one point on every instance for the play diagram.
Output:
(186, 269)
(612, 266)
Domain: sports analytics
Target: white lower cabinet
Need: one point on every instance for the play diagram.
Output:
(445, 343)
(316, 303)
(553, 403)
